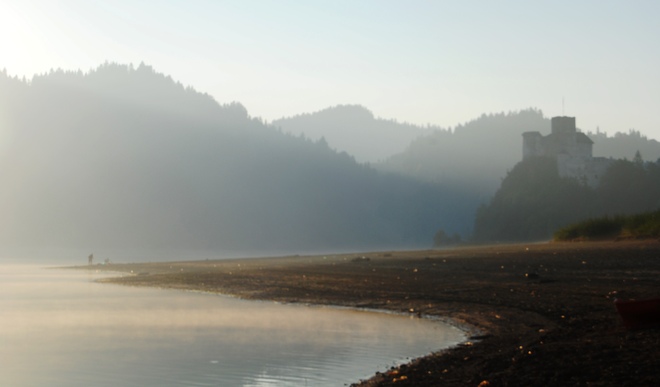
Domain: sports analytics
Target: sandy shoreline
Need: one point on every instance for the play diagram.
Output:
(545, 311)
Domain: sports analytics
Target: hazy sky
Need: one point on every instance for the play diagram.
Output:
(439, 62)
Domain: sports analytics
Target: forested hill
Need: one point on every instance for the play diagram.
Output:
(354, 129)
(534, 201)
(475, 156)
(625, 145)
(124, 157)
(478, 154)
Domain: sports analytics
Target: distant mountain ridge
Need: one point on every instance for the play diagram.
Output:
(355, 130)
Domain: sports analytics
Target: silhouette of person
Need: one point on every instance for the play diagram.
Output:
(90, 259)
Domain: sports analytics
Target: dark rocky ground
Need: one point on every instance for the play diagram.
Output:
(541, 314)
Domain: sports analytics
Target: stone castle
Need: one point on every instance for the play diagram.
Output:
(573, 151)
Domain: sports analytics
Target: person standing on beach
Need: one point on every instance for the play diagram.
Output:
(90, 259)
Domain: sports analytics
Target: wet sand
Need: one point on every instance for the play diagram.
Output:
(539, 314)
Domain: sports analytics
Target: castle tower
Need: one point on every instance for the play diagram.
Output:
(563, 125)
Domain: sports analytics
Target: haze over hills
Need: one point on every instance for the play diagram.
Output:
(473, 157)
(478, 154)
(125, 157)
(354, 129)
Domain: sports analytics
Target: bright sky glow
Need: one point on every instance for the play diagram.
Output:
(421, 61)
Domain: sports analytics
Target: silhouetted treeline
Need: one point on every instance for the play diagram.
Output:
(125, 157)
(534, 202)
(623, 145)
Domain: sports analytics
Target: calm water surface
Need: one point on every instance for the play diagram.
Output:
(58, 327)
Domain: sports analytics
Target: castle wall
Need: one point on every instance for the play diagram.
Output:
(588, 172)
(584, 150)
(532, 144)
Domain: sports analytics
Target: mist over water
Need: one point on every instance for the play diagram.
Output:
(58, 327)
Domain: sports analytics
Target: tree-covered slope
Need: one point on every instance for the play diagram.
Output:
(124, 157)
(533, 202)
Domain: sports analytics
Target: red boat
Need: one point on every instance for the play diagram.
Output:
(637, 314)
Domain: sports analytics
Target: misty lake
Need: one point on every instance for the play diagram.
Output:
(59, 327)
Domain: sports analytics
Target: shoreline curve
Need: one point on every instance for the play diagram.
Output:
(537, 313)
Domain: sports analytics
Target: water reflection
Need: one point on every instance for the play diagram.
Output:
(57, 327)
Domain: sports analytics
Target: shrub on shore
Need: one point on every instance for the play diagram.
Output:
(642, 225)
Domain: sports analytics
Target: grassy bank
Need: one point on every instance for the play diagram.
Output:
(644, 225)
